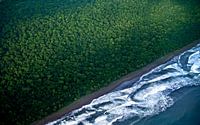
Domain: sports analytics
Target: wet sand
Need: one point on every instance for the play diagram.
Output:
(134, 75)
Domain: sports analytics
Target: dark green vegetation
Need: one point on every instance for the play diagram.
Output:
(52, 52)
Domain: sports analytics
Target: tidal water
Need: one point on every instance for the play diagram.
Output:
(167, 95)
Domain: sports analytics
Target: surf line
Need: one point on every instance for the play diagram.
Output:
(132, 76)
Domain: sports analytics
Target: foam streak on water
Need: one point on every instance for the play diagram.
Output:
(148, 96)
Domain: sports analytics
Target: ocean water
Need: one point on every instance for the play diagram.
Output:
(185, 110)
(167, 95)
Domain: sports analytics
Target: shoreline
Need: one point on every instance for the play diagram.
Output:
(131, 76)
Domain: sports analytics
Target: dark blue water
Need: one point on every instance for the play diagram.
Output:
(167, 95)
(185, 110)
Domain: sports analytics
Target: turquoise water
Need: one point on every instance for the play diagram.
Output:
(167, 95)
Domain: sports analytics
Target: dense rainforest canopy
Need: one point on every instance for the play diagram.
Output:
(52, 52)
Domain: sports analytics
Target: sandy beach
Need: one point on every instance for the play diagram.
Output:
(134, 75)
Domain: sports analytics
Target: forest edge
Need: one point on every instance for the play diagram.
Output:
(131, 76)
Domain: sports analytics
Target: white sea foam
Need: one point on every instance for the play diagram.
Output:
(148, 96)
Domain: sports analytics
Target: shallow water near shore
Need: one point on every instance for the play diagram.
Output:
(167, 95)
(185, 110)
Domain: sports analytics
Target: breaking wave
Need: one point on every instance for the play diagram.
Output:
(137, 99)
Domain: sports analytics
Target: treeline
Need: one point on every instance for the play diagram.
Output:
(49, 61)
